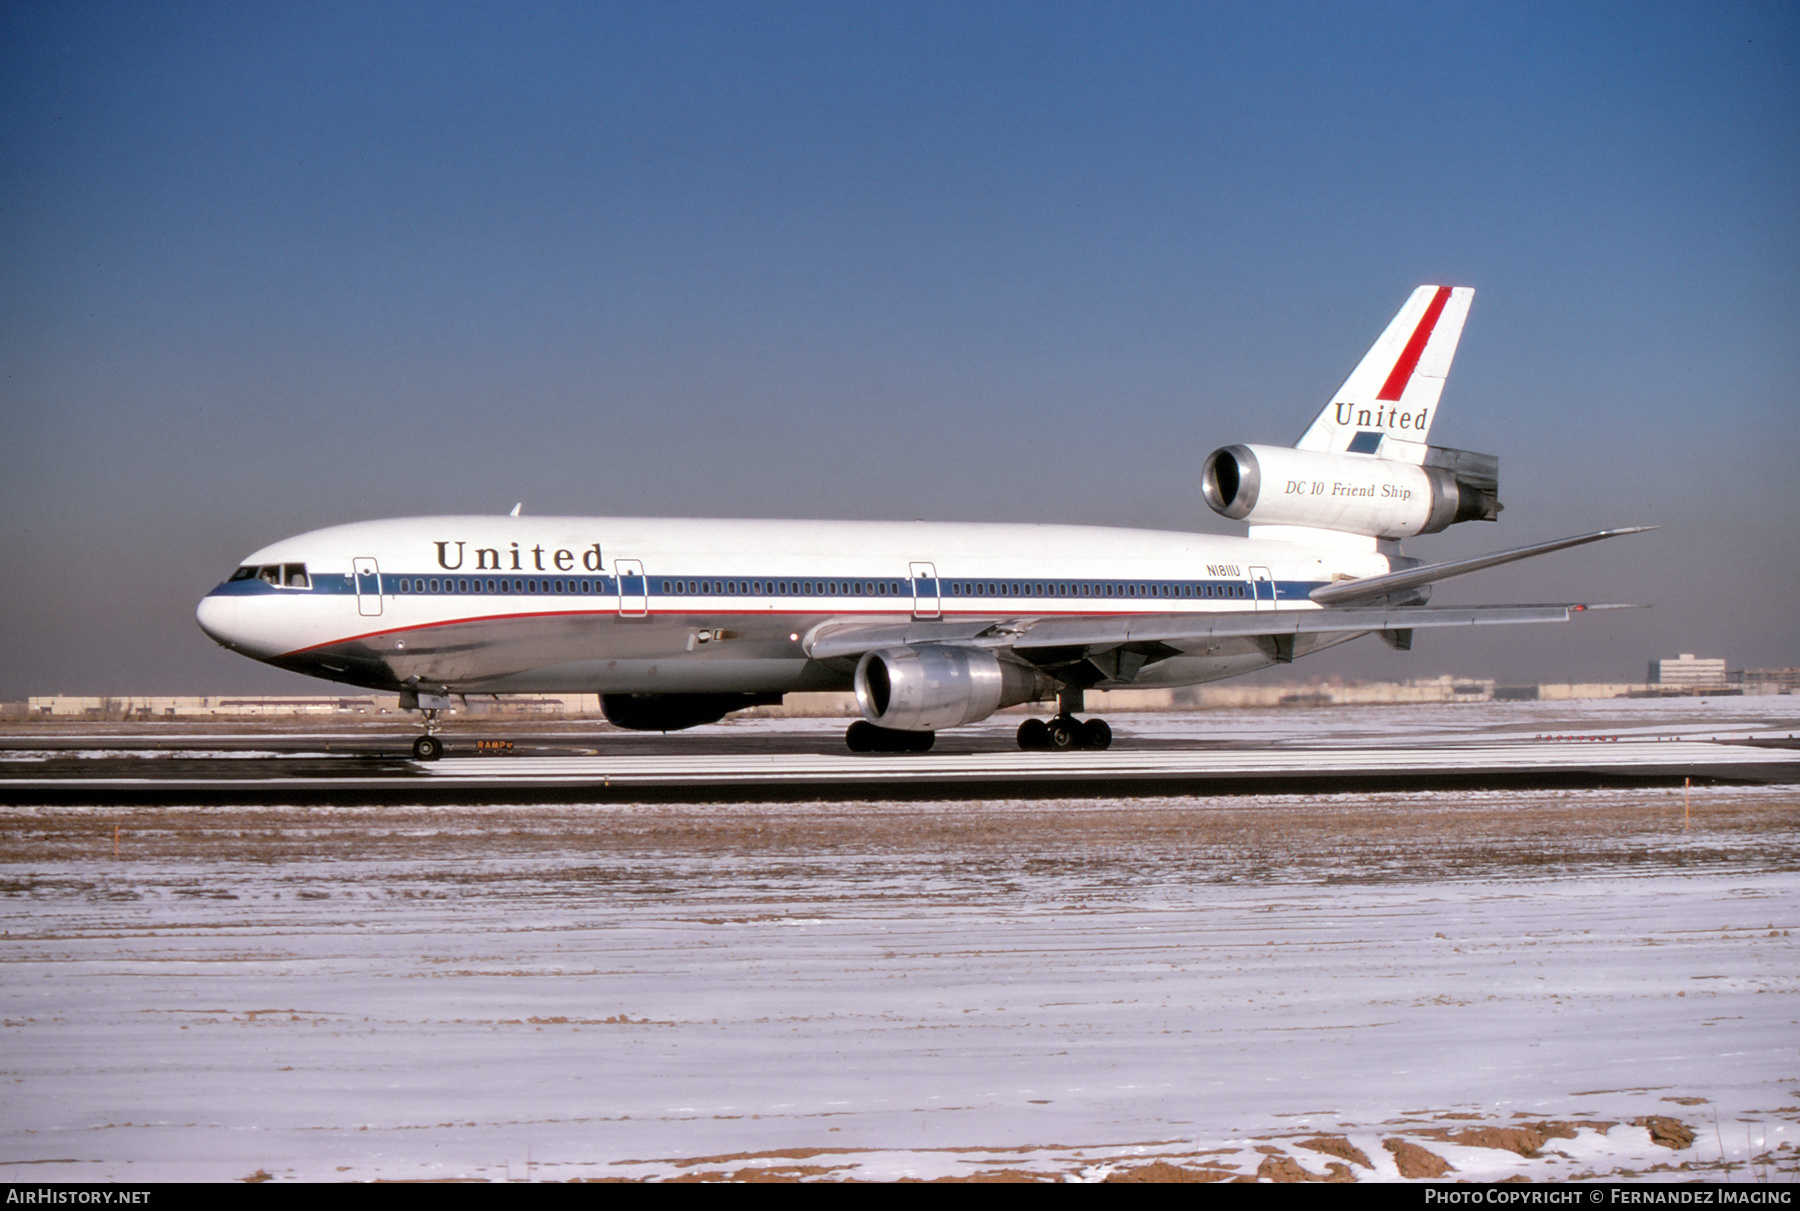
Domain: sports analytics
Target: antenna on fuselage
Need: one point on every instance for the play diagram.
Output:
(516, 508)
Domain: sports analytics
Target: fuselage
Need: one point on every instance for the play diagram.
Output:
(676, 606)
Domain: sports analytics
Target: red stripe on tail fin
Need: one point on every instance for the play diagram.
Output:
(1402, 374)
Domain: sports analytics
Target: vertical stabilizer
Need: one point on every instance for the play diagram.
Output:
(1396, 387)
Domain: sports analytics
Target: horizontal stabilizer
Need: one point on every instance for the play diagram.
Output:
(1368, 588)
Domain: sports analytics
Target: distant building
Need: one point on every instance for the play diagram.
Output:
(1770, 681)
(1687, 671)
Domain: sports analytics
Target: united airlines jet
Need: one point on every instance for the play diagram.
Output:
(679, 622)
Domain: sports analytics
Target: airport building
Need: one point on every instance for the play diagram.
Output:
(1768, 681)
(1688, 672)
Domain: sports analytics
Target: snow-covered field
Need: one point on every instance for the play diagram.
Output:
(1552, 984)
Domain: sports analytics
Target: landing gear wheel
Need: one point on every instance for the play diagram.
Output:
(1062, 733)
(428, 748)
(1034, 735)
(1096, 734)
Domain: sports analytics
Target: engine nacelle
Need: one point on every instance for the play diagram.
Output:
(676, 712)
(935, 686)
(1352, 493)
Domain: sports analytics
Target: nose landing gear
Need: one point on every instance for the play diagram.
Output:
(427, 747)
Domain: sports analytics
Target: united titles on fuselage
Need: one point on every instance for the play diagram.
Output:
(488, 558)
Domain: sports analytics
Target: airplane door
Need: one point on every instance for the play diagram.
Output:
(925, 590)
(634, 601)
(368, 586)
(1263, 585)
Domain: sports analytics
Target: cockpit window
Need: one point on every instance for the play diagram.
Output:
(281, 575)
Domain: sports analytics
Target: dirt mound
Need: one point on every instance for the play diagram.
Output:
(1414, 1161)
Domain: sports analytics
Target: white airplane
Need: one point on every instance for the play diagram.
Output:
(678, 622)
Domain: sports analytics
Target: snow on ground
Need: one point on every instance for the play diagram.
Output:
(1549, 984)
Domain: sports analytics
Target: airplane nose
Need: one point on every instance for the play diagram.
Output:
(218, 617)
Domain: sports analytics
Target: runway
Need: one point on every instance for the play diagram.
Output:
(1283, 985)
(1488, 985)
(1493, 746)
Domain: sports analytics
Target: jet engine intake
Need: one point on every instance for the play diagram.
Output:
(1352, 493)
(936, 686)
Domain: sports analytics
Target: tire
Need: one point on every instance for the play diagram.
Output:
(862, 736)
(1061, 734)
(1096, 734)
(428, 748)
(1034, 735)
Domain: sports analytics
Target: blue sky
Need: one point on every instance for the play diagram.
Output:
(268, 267)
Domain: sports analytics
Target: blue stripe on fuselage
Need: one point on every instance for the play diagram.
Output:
(952, 599)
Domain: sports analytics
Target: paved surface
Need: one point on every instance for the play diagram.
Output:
(775, 760)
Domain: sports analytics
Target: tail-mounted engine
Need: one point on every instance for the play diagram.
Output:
(935, 686)
(1354, 493)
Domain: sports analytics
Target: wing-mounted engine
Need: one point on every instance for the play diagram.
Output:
(1411, 488)
(676, 712)
(936, 686)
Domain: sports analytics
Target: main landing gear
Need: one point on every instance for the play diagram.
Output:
(865, 737)
(1065, 733)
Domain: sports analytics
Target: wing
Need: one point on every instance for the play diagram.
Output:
(1030, 636)
(1337, 611)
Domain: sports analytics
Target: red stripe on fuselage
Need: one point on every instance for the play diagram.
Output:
(1402, 374)
(763, 615)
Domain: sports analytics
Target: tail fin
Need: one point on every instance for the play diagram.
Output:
(1396, 387)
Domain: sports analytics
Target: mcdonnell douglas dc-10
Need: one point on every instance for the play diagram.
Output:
(679, 622)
